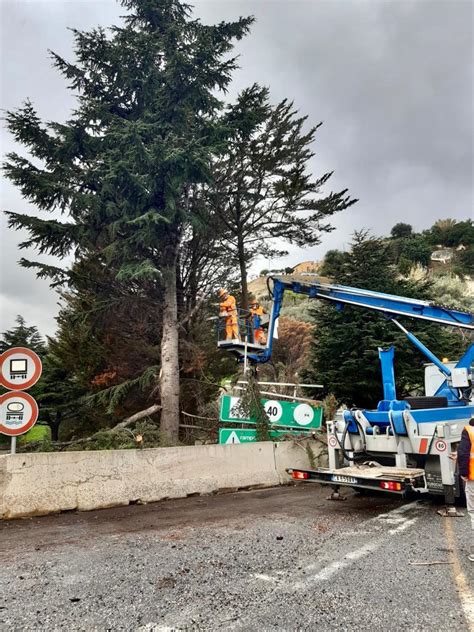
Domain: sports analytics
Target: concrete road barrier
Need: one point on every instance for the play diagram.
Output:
(295, 454)
(43, 483)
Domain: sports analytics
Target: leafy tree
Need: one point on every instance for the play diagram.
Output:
(401, 231)
(124, 167)
(262, 190)
(464, 261)
(416, 250)
(405, 266)
(23, 336)
(345, 343)
(450, 233)
(448, 289)
(333, 263)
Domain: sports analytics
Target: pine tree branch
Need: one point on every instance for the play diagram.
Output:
(147, 412)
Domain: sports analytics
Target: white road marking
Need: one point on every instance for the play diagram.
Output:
(353, 556)
(395, 512)
(394, 517)
(266, 578)
(335, 567)
(401, 527)
(395, 520)
(155, 627)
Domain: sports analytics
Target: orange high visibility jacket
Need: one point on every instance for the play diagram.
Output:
(229, 307)
(470, 432)
(257, 311)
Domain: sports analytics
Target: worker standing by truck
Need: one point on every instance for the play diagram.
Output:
(465, 457)
(228, 312)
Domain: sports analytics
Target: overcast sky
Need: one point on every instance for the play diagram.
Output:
(391, 79)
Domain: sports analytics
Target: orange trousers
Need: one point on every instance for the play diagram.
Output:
(259, 336)
(231, 329)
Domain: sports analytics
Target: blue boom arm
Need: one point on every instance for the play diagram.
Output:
(388, 304)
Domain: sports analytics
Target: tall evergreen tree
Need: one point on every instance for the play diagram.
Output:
(58, 392)
(345, 343)
(263, 191)
(23, 335)
(123, 167)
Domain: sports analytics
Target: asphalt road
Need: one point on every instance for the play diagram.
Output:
(279, 559)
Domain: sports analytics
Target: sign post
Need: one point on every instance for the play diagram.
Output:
(20, 368)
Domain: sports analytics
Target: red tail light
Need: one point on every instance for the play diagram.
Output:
(299, 475)
(391, 486)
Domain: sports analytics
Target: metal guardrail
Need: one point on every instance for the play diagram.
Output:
(292, 397)
(285, 384)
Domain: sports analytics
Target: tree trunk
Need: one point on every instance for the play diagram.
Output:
(243, 274)
(169, 382)
(54, 425)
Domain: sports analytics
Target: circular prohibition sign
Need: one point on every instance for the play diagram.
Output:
(332, 441)
(22, 364)
(19, 413)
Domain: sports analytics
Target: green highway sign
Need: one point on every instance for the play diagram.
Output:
(229, 435)
(238, 435)
(300, 415)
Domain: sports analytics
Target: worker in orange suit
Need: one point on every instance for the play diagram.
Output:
(465, 456)
(228, 311)
(256, 313)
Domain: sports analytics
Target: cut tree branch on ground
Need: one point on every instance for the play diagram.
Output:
(123, 424)
(137, 416)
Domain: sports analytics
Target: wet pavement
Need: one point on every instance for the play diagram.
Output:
(275, 559)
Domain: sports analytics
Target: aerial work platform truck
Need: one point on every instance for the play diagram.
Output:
(403, 444)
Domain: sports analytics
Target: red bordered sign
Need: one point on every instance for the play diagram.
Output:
(20, 368)
(18, 413)
(332, 441)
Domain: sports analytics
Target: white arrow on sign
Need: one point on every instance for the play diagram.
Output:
(233, 438)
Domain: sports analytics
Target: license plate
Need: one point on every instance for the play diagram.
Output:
(340, 478)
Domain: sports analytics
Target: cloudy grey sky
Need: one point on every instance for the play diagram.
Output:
(391, 79)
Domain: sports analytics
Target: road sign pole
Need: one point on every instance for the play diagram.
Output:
(13, 446)
(245, 356)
